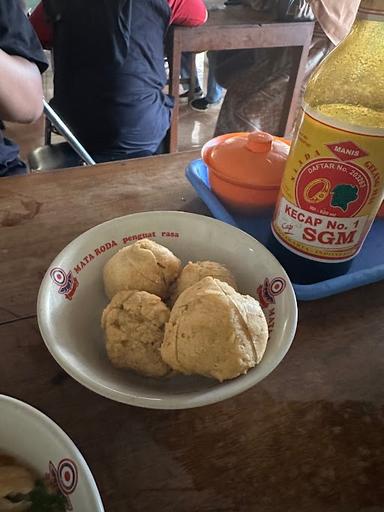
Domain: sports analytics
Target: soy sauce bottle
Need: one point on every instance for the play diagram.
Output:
(333, 182)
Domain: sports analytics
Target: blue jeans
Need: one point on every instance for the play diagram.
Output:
(214, 90)
(14, 168)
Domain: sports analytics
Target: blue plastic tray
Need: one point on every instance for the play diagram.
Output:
(367, 267)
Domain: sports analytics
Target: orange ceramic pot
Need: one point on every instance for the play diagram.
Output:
(245, 169)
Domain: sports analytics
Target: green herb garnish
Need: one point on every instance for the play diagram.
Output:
(41, 499)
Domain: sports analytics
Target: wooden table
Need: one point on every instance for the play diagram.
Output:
(237, 27)
(309, 438)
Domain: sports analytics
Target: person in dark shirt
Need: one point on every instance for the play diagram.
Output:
(109, 70)
(21, 96)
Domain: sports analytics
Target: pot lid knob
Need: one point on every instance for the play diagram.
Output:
(259, 142)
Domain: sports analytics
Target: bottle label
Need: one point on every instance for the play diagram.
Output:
(331, 190)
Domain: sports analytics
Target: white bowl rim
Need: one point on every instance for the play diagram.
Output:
(229, 388)
(54, 427)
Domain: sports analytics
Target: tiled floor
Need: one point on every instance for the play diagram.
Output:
(195, 128)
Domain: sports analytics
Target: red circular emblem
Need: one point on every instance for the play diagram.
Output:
(329, 187)
(67, 476)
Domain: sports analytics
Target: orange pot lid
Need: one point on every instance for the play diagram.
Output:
(255, 159)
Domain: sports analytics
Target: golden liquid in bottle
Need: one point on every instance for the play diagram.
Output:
(353, 114)
(349, 84)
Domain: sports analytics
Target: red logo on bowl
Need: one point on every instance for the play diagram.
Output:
(64, 479)
(269, 290)
(66, 282)
(346, 151)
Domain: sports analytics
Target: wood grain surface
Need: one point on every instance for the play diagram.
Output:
(41, 213)
(308, 438)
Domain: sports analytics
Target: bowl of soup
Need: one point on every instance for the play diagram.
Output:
(40, 467)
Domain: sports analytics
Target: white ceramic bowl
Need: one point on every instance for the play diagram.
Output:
(36, 440)
(71, 300)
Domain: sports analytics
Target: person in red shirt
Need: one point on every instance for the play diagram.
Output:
(109, 71)
(190, 13)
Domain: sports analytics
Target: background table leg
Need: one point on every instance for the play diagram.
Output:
(294, 85)
(174, 81)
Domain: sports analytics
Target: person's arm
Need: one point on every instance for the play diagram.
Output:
(21, 62)
(21, 91)
(191, 13)
(42, 26)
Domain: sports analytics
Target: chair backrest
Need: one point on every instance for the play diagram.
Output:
(60, 155)
(53, 156)
(67, 134)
